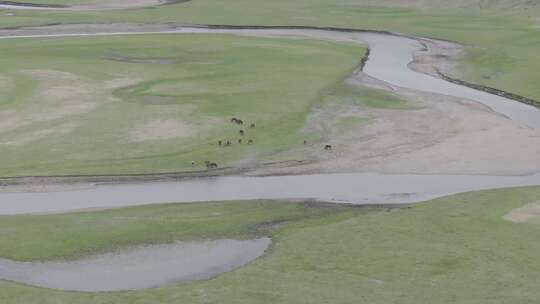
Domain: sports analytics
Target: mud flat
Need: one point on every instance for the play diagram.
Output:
(143, 267)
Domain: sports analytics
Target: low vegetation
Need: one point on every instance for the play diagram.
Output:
(157, 103)
(73, 235)
(501, 36)
(458, 249)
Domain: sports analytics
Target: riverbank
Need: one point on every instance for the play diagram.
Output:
(433, 252)
(449, 146)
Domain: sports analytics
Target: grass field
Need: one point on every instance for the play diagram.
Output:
(154, 104)
(456, 249)
(157, 103)
(501, 36)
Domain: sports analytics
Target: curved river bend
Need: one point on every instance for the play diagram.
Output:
(389, 59)
(144, 267)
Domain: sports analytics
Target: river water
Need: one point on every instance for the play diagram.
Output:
(389, 59)
(355, 188)
(155, 266)
(138, 268)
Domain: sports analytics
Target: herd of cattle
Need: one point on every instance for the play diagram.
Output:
(242, 133)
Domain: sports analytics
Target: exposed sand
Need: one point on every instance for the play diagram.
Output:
(59, 97)
(524, 214)
(437, 56)
(442, 135)
(28, 137)
(59, 100)
(122, 81)
(5, 83)
(161, 129)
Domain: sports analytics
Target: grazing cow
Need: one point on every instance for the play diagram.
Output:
(328, 147)
(250, 142)
(305, 142)
(193, 163)
(220, 143)
(239, 121)
(210, 165)
(240, 141)
(252, 125)
(234, 119)
(242, 132)
(228, 143)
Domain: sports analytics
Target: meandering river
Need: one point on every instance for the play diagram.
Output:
(155, 266)
(389, 59)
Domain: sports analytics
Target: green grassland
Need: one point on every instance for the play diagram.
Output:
(502, 36)
(198, 83)
(349, 94)
(456, 249)
(74, 235)
(154, 103)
